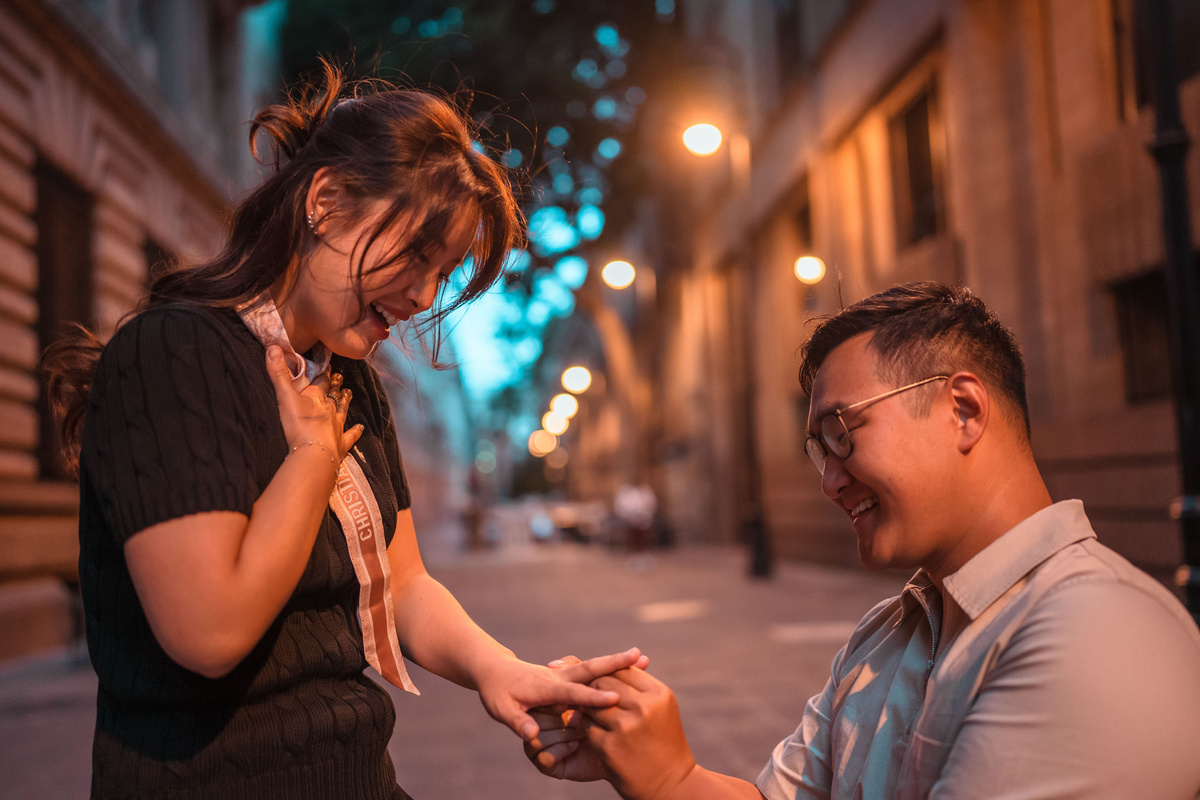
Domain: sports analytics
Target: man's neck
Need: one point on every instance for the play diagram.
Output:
(1002, 500)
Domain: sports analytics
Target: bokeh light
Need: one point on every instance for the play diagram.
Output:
(703, 139)
(609, 148)
(576, 379)
(542, 442)
(589, 220)
(565, 405)
(810, 269)
(557, 458)
(571, 270)
(618, 274)
(553, 423)
(485, 462)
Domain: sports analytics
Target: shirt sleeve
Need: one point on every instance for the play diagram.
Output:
(1097, 696)
(167, 435)
(800, 766)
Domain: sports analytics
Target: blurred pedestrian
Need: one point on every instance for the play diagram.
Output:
(247, 547)
(635, 506)
(1023, 659)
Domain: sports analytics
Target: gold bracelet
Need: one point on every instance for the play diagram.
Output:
(332, 460)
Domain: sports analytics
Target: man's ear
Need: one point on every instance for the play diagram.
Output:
(972, 407)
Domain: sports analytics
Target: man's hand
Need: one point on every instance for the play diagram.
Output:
(640, 739)
(561, 749)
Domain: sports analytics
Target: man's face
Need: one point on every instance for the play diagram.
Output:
(898, 483)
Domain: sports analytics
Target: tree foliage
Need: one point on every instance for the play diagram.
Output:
(524, 67)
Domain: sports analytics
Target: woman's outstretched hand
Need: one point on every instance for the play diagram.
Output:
(315, 414)
(512, 687)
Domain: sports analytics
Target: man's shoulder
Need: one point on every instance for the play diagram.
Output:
(1089, 577)
(873, 626)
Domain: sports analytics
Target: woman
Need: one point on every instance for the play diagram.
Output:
(246, 543)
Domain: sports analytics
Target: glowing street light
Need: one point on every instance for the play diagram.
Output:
(810, 269)
(542, 442)
(618, 274)
(553, 423)
(564, 405)
(703, 139)
(576, 379)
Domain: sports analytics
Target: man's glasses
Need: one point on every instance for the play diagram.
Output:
(835, 436)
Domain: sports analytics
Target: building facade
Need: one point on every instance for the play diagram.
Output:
(998, 144)
(122, 142)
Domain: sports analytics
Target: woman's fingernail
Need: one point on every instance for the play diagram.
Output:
(557, 663)
(273, 352)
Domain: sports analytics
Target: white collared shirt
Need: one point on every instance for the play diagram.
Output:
(1051, 668)
(261, 316)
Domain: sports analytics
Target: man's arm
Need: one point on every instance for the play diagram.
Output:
(1098, 696)
(568, 746)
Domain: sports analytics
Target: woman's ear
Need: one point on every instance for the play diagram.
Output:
(972, 406)
(325, 196)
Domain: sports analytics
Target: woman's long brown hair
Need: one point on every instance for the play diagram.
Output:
(410, 148)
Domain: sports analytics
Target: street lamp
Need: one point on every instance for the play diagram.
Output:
(810, 269)
(618, 274)
(553, 423)
(565, 405)
(702, 139)
(542, 442)
(576, 379)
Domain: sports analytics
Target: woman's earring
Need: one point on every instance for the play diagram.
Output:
(312, 225)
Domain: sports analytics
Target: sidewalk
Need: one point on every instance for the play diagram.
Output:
(742, 655)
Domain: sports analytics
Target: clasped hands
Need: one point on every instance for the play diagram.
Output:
(637, 744)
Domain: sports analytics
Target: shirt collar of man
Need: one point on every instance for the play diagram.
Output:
(262, 318)
(999, 566)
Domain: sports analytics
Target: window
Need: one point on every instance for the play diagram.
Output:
(789, 44)
(915, 173)
(1135, 52)
(1142, 325)
(64, 254)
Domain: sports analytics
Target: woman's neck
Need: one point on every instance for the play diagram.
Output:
(288, 303)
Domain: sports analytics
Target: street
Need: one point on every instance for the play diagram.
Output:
(742, 655)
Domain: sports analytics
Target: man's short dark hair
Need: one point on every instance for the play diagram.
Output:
(925, 329)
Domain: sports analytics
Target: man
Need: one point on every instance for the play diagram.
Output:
(1023, 660)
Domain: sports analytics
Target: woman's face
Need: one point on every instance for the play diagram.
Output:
(327, 300)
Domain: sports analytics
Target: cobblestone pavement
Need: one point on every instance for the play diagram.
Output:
(743, 656)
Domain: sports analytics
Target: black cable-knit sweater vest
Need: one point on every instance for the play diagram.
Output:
(182, 420)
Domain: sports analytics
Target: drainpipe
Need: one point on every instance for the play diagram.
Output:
(1169, 147)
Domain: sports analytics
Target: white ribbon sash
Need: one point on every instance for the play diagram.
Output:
(354, 504)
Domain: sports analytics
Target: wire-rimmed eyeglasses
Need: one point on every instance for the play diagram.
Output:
(835, 436)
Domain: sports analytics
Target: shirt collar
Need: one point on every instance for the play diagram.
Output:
(262, 318)
(993, 571)
(917, 593)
